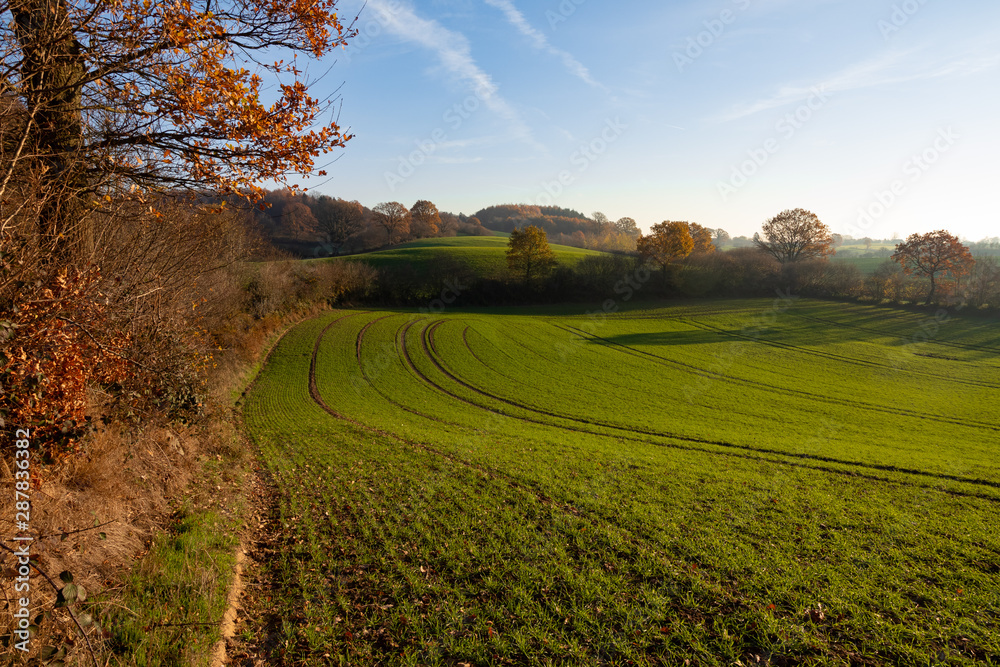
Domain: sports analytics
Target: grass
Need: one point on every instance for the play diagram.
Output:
(712, 482)
(485, 255)
(169, 609)
(866, 265)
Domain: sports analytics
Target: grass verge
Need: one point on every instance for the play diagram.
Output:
(169, 608)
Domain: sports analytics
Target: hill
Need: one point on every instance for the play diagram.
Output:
(484, 255)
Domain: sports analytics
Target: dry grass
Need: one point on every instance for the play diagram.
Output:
(130, 482)
(97, 514)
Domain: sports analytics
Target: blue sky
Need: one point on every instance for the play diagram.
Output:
(881, 116)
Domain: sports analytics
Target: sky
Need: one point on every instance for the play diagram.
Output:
(880, 116)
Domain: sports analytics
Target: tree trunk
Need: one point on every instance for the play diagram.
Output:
(930, 297)
(52, 73)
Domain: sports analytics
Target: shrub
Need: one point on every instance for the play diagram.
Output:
(57, 343)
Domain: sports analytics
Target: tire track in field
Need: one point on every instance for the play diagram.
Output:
(364, 374)
(801, 393)
(487, 471)
(752, 453)
(883, 332)
(637, 538)
(837, 357)
(435, 358)
(465, 341)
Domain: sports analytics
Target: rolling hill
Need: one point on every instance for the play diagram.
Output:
(484, 254)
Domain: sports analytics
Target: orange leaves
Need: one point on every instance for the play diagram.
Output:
(667, 242)
(179, 88)
(926, 254)
(933, 254)
(59, 347)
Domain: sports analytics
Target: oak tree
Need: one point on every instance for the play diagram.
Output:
(425, 219)
(795, 234)
(394, 219)
(529, 254)
(338, 220)
(702, 237)
(298, 221)
(666, 243)
(128, 96)
(933, 255)
(627, 226)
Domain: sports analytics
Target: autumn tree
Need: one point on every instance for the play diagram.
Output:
(984, 282)
(298, 221)
(667, 242)
(702, 237)
(627, 226)
(795, 234)
(131, 96)
(394, 219)
(425, 219)
(529, 254)
(933, 255)
(338, 220)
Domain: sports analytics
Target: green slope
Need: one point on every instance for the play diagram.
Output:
(485, 255)
(715, 483)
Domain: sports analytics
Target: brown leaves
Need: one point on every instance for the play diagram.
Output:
(795, 234)
(667, 242)
(170, 76)
(59, 346)
(817, 614)
(935, 252)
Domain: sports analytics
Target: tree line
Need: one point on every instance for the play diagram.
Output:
(793, 250)
(310, 225)
(319, 225)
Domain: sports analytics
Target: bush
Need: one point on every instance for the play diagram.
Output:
(56, 345)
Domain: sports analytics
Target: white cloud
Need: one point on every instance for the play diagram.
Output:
(541, 42)
(455, 55)
(883, 70)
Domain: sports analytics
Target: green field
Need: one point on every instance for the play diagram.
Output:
(485, 255)
(866, 265)
(719, 482)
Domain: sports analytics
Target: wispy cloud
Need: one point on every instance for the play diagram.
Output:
(541, 42)
(883, 70)
(455, 55)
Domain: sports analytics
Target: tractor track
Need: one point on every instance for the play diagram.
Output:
(695, 370)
